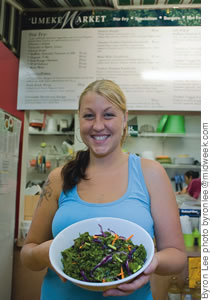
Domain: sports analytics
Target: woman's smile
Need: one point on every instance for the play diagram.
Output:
(100, 138)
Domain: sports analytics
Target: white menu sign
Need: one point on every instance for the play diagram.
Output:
(158, 68)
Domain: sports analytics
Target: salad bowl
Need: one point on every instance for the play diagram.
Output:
(65, 239)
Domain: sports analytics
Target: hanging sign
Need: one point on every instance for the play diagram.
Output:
(154, 55)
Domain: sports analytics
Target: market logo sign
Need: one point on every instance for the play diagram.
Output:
(115, 18)
(71, 20)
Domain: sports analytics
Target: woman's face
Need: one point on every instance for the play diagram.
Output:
(101, 124)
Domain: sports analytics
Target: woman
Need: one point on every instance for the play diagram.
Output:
(193, 184)
(104, 181)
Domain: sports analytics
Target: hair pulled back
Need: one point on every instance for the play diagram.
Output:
(75, 169)
(193, 174)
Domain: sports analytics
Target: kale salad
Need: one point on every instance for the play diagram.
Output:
(102, 257)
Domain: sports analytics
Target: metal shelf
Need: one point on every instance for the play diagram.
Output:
(51, 133)
(170, 135)
(50, 156)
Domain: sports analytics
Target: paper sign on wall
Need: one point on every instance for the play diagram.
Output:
(153, 55)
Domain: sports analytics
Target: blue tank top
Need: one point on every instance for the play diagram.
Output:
(134, 206)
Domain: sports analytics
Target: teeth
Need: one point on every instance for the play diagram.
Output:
(100, 138)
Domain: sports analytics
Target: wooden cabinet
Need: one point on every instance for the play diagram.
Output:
(26, 284)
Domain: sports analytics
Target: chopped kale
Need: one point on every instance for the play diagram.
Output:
(102, 257)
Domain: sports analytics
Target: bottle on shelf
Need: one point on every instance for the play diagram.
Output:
(197, 291)
(186, 290)
(174, 292)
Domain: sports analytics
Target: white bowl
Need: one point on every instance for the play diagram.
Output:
(65, 239)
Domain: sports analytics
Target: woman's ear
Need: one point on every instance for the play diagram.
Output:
(125, 119)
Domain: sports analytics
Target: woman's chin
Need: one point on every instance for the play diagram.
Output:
(100, 151)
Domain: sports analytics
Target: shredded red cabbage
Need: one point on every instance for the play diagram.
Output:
(83, 275)
(106, 259)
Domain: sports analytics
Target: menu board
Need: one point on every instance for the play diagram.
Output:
(157, 67)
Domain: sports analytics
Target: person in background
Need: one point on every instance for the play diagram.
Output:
(104, 181)
(194, 188)
(193, 182)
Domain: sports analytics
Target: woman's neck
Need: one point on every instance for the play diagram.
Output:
(111, 160)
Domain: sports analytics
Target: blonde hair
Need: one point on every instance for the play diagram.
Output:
(111, 92)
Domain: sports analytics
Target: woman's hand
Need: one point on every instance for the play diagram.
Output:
(128, 288)
(61, 277)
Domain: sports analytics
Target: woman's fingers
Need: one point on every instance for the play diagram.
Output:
(115, 292)
(135, 284)
(62, 278)
(152, 266)
(128, 288)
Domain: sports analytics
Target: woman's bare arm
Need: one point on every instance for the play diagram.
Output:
(170, 254)
(35, 252)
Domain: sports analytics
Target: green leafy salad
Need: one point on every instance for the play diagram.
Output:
(102, 257)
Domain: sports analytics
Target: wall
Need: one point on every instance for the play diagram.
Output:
(9, 65)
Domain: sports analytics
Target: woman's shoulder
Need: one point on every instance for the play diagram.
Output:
(55, 180)
(157, 181)
(56, 173)
(149, 164)
(153, 171)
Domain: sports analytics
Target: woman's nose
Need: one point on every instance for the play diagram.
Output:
(98, 123)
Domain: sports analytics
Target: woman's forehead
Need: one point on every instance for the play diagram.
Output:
(93, 99)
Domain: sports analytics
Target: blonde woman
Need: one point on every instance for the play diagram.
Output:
(104, 181)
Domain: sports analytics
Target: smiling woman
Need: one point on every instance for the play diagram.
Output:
(103, 127)
(104, 181)
(101, 124)
(114, 97)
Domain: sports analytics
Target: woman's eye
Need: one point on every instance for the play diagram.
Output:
(108, 115)
(88, 116)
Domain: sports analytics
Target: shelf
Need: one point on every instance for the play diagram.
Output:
(180, 166)
(51, 133)
(193, 251)
(51, 156)
(148, 134)
(172, 135)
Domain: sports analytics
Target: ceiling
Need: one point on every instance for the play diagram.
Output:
(102, 4)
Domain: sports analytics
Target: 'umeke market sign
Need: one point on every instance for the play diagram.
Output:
(154, 55)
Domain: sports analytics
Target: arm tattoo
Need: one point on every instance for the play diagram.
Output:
(46, 192)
